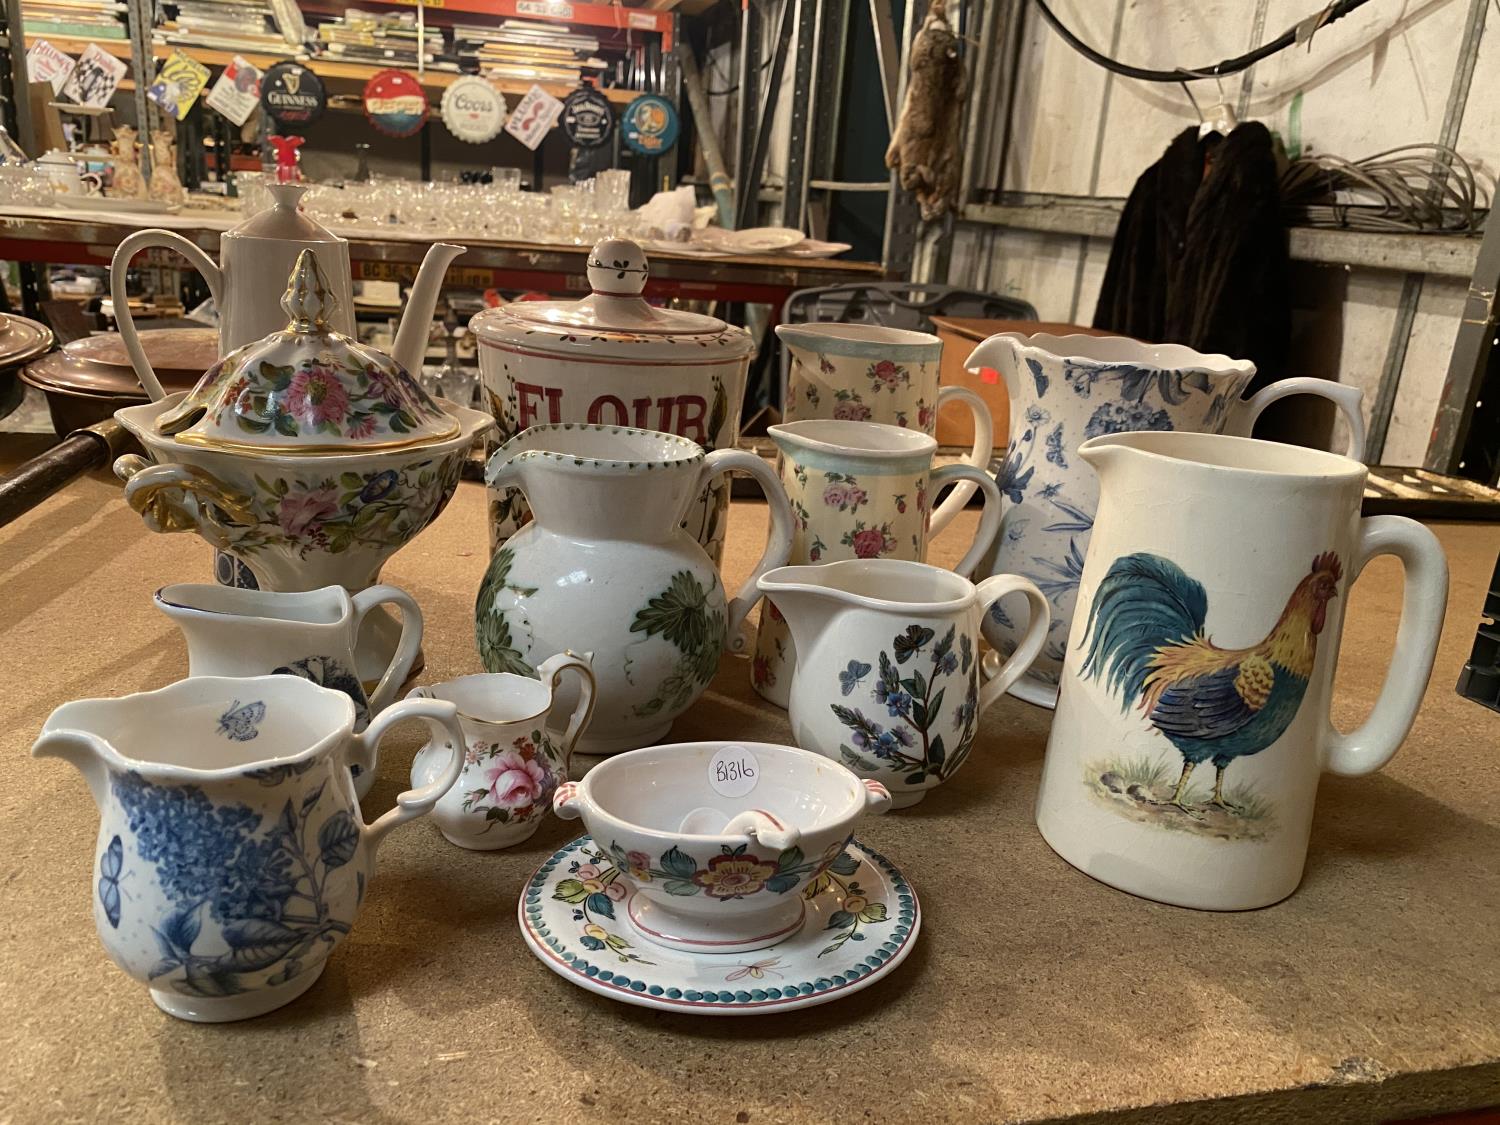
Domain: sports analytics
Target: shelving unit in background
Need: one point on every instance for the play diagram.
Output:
(347, 77)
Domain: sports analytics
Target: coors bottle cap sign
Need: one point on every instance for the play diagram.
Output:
(473, 109)
(292, 94)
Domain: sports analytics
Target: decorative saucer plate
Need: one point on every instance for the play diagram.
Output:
(862, 920)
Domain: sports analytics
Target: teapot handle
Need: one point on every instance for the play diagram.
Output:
(979, 456)
(119, 267)
(550, 673)
(442, 718)
(779, 546)
(406, 649)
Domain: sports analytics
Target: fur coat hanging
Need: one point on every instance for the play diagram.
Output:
(1200, 255)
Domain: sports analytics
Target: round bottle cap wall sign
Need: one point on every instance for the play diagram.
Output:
(395, 103)
(473, 110)
(292, 94)
(587, 117)
(650, 125)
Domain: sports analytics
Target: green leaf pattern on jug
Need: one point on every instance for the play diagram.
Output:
(681, 616)
(497, 649)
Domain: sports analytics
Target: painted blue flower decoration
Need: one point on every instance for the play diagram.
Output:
(1123, 417)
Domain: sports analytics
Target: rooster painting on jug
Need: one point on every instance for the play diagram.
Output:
(1145, 640)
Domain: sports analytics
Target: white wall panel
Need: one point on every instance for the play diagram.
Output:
(1427, 353)
(1055, 118)
(1037, 267)
(1369, 315)
(1479, 138)
(1376, 79)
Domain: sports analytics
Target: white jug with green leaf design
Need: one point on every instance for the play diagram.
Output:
(608, 567)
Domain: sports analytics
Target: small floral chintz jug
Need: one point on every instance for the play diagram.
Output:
(871, 373)
(232, 856)
(512, 762)
(1066, 389)
(860, 490)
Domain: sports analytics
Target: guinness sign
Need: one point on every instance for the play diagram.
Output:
(292, 94)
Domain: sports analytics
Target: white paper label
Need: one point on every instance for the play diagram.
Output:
(537, 112)
(45, 63)
(95, 78)
(237, 92)
(734, 771)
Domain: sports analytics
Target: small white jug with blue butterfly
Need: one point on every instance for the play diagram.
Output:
(312, 634)
(888, 679)
(232, 856)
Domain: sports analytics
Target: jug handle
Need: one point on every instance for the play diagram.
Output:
(119, 267)
(990, 591)
(406, 649)
(441, 718)
(1346, 398)
(779, 545)
(989, 516)
(980, 456)
(150, 489)
(1423, 601)
(551, 673)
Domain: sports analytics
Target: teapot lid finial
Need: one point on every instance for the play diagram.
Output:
(308, 300)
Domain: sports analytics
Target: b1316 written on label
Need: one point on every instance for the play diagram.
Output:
(733, 771)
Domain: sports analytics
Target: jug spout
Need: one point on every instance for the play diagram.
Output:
(802, 596)
(999, 353)
(1105, 454)
(411, 335)
(86, 752)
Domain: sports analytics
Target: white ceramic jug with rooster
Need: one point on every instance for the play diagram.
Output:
(1193, 720)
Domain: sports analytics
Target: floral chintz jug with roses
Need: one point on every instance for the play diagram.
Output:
(1065, 390)
(513, 762)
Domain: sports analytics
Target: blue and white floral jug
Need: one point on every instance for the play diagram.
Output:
(232, 856)
(1067, 389)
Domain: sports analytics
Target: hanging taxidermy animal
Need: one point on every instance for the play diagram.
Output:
(924, 150)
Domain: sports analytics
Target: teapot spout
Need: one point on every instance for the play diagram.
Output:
(999, 353)
(802, 596)
(86, 752)
(411, 336)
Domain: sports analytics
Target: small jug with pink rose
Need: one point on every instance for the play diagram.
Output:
(513, 762)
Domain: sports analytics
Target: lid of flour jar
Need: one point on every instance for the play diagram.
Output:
(308, 389)
(614, 320)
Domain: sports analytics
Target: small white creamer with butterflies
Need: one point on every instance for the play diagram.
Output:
(887, 678)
